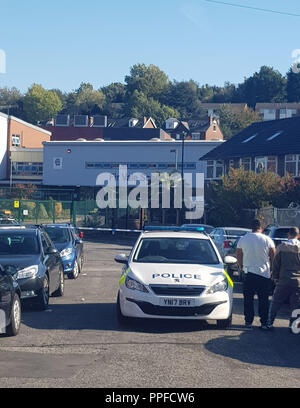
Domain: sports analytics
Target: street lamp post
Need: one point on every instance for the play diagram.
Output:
(183, 134)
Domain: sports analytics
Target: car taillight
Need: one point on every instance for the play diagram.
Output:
(226, 244)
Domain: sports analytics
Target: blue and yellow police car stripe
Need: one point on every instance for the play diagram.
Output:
(123, 277)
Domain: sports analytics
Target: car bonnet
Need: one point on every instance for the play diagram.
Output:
(185, 274)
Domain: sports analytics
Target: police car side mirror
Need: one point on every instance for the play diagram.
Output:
(230, 260)
(121, 258)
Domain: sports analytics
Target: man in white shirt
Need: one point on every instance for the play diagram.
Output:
(255, 254)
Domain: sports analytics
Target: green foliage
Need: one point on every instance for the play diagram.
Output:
(241, 190)
(87, 100)
(267, 85)
(149, 80)
(293, 86)
(40, 105)
(42, 213)
(184, 97)
(139, 105)
(232, 122)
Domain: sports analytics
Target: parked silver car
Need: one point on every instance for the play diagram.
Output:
(223, 235)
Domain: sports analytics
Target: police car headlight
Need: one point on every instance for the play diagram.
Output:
(29, 272)
(219, 287)
(135, 285)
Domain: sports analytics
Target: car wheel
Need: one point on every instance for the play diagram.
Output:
(225, 323)
(74, 274)
(42, 301)
(61, 288)
(123, 320)
(14, 326)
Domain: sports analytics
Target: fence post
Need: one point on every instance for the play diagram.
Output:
(74, 212)
(53, 211)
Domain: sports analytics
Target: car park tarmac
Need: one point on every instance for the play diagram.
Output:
(78, 342)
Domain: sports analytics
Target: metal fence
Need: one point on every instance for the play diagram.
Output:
(274, 216)
(84, 213)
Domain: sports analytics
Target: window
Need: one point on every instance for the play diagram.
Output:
(15, 140)
(274, 136)
(214, 169)
(214, 128)
(195, 136)
(246, 163)
(292, 164)
(249, 138)
(263, 164)
(27, 169)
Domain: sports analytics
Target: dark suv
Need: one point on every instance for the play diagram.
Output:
(36, 263)
(10, 305)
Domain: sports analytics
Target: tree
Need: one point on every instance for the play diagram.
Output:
(40, 105)
(139, 105)
(267, 85)
(88, 100)
(184, 97)
(242, 189)
(149, 80)
(114, 93)
(11, 101)
(233, 122)
(293, 86)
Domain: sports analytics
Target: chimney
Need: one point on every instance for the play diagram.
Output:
(91, 121)
(211, 119)
(145, 120)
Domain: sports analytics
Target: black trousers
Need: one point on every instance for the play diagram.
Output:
(255, 284)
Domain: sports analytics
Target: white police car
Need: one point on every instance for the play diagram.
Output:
(175, 273)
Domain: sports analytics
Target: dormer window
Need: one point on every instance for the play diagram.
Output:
(171, 123)
(133, 122)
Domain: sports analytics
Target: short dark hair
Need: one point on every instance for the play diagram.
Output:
(255, 225)
(293, 232)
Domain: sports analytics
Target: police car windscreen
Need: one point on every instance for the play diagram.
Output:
(176, 250)
(12, 243)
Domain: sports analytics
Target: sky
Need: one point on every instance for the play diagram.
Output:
(61, 43)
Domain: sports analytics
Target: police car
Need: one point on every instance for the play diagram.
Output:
(175, 273)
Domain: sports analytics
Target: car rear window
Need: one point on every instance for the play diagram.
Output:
(281, 233)
(176, 250)
(59, 235)
(18, 244)
(234, 233)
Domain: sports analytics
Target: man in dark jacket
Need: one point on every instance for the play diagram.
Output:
(286, 274)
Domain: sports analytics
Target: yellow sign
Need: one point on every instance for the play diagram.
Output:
(16, 204)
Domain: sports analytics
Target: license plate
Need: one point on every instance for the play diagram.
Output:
(177, 302)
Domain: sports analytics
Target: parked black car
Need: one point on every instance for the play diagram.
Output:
(67, 239)
(10, 304)
(38, 265)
